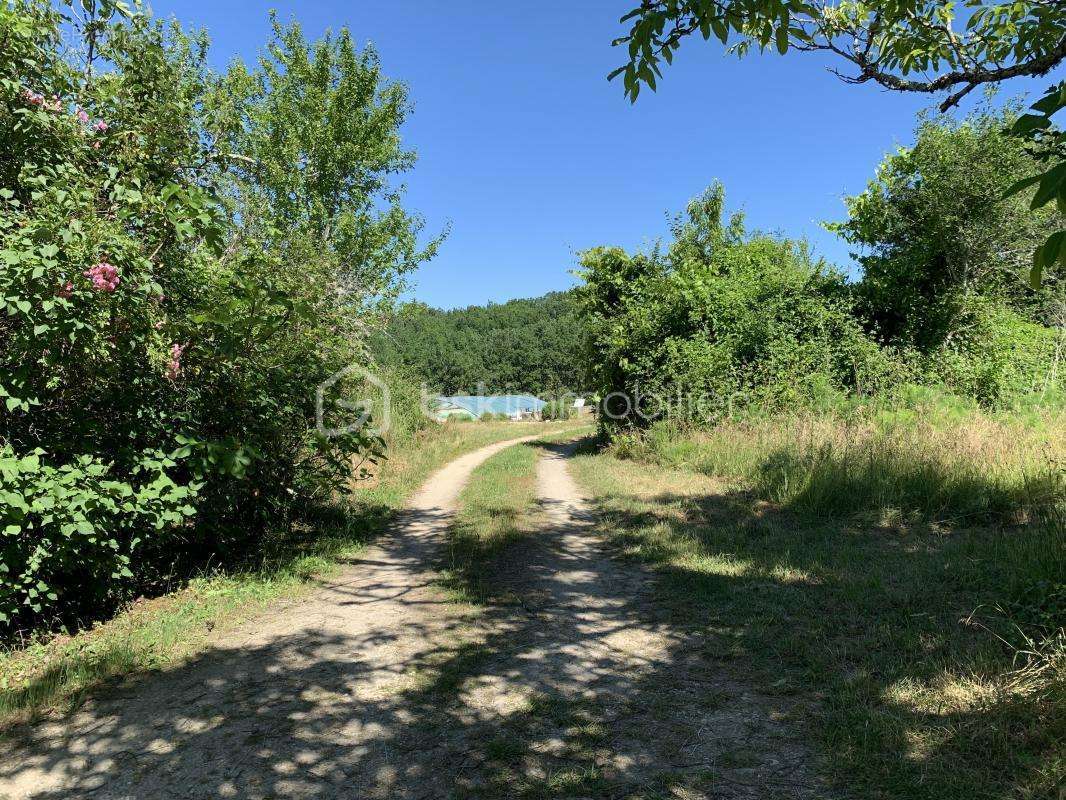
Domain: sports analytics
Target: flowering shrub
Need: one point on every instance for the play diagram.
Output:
(174, 362)
(104, 277)
(184, 257)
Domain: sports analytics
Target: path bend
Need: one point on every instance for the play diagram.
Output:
(577, 685)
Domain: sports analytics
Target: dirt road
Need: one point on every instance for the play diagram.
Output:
(573, 684)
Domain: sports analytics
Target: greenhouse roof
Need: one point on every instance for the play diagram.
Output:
(495, 404)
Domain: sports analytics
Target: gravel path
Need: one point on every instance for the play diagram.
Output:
(570, 684)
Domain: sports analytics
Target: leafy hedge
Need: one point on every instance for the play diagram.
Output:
(719, 319)
(184, 257)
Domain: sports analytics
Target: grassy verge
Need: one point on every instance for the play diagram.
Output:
(930, 462)
(933, 645)
(495, 509)
(58, 672)
(500, 493)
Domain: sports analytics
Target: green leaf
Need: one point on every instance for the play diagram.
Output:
(782, 39)
(1028, 123)
(1051, 183)
(1052, 250)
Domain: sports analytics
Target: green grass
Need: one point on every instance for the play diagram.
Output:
(932, 647)
(494, 510)
(932, 462)
(58, 672)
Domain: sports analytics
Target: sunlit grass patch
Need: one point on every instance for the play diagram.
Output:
(930, 641)
(493, 510)
(57, 672)
(879, 466)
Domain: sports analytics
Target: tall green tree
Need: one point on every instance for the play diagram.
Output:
(936, 238)
(914, 46)
(308, 142)
(941, 250)
(184, 258)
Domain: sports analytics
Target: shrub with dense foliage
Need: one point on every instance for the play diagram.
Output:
(721, 318)
(943, 255)
(184, 257)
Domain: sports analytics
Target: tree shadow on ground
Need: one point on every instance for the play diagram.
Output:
(325, 531)
(584, 689)
(878, 623)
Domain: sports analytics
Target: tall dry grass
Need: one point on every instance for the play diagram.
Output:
(931, 618)
(886, 466)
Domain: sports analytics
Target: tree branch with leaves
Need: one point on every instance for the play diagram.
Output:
(923, 47)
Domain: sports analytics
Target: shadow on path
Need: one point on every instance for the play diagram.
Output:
(379, 687)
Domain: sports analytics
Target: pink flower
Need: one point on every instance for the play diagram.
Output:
(174, 362)
(104, 277)
(32, 98)
(83, 118)
(158, 325)
(100, 126)
(66, 290)
(96, 145)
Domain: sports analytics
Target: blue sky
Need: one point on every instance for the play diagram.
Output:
(532, 156)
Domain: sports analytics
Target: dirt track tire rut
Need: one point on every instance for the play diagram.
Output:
(379, 686)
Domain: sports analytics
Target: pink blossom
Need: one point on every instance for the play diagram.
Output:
(96, 145)
(66, 290)
(100, 125)
(83, 118)
(158, 325)
(32, 98)
(104, 277)
(174, 362)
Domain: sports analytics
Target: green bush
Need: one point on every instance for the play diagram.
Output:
(558, 409)
(945, 259)
(723, 319)
(1000, 356)
(73, 529)
(184, 258)
(938, 241)
(718, 320)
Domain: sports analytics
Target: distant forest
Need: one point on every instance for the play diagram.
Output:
(530, 345)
